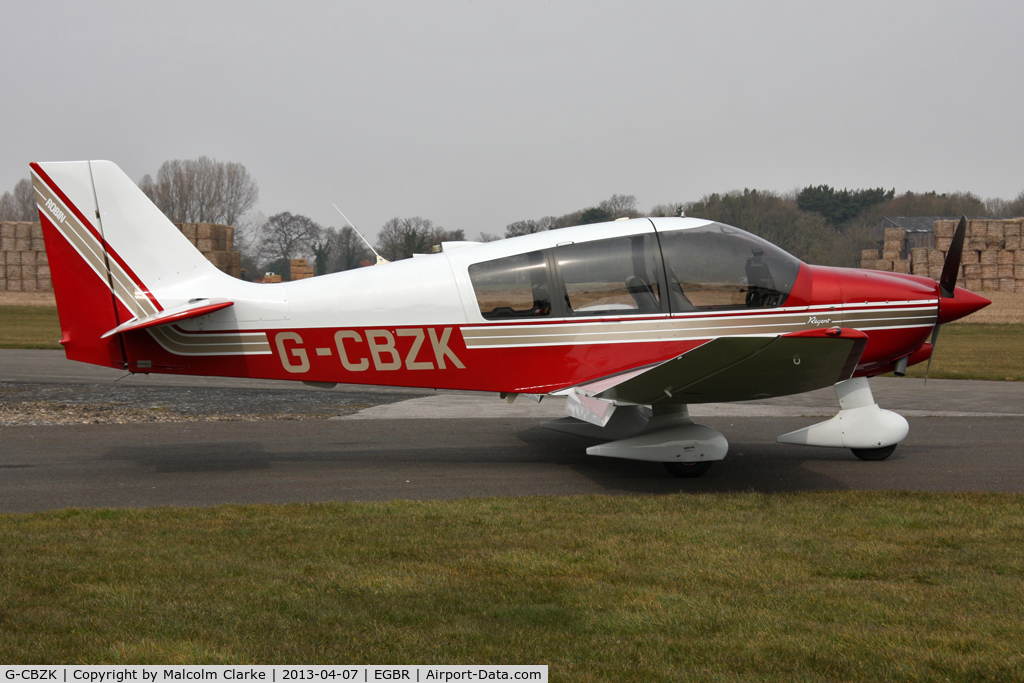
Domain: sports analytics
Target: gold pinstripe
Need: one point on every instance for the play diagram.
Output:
(673, 329)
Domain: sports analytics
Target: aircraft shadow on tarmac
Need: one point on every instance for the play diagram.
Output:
(221, 456)
(760, 467)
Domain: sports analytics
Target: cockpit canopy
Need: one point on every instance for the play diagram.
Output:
(708, 267)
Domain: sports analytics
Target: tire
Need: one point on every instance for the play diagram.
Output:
(874, 453)
(687, 470)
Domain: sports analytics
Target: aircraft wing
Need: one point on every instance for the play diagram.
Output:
(739, 369)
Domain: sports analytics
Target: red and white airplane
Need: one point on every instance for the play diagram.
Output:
(630, 321)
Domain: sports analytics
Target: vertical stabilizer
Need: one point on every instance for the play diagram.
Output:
(114, 257)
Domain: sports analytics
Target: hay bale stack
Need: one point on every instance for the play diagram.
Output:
(945, 228)
(977, 235)
(935, 260)
(217, 243)
(893, 244)
(919, 261)
(901, 266)
(23, 264)
(300, 269)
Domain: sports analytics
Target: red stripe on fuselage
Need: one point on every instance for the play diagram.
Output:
(536, 369)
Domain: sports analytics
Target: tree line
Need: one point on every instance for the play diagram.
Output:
(819, 224)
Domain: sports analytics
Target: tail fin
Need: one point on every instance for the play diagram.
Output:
(109, 249)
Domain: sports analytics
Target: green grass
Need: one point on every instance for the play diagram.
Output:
(977, 352)
(741, 587)
(29, 327)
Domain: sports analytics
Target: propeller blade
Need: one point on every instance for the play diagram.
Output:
(950, 269)
(935, 340)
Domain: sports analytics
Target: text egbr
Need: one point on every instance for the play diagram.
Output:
(412, 348)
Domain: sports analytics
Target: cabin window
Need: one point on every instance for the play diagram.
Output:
(717, 266)
(512, 287)
(616, 276)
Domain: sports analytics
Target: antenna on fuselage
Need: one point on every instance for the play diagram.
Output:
(380, 259)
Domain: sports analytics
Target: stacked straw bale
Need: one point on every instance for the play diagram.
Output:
(300, 269)
(23, 264)
(25, 268)
(216, 243)
(993, 256)
(894, 253)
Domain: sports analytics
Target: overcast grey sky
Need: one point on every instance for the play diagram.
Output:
(476, 114)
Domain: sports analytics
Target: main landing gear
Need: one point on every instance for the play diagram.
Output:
(869, 431)
(665, 433)
(662, 433)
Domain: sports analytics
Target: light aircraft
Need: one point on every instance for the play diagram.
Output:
(630, 321)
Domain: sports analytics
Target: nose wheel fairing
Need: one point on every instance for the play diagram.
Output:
(859, 425)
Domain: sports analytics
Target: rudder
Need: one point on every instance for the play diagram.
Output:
(78, 264)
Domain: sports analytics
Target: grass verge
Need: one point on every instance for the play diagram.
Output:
(977, 352)
(818, 586)
(29, 327)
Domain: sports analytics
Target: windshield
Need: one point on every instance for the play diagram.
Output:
(717, 266)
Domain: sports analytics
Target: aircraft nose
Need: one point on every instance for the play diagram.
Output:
(962, 304)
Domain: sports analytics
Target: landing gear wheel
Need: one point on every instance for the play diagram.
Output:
(687, 469)
(874, 453)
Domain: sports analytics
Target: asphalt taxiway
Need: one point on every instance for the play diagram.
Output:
(964, 436)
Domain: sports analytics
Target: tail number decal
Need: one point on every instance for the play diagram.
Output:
(384, 349)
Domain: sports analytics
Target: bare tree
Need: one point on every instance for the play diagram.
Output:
(400, 238)
(672, 209)
(202, 190)
(620, 206)
(1014, 207)
(322, 254)
(347, 249)
(21, 204)
(528, 227)
(286, 236)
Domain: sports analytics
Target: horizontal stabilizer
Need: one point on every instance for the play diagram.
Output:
(193, 309)
(747, 368)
